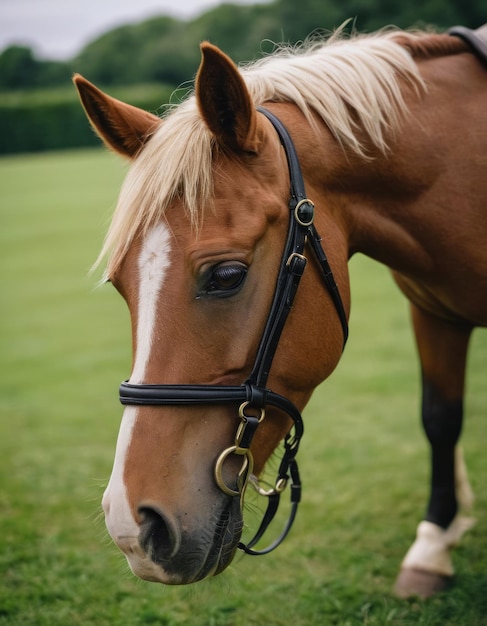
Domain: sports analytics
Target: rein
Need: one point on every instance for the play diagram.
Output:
(252, 396)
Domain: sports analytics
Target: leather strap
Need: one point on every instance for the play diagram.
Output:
(301, 229)
(187, 395)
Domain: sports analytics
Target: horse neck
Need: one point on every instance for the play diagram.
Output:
(359, 201)
(378, 204)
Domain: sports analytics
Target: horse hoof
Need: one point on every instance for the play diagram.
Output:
(419, 583)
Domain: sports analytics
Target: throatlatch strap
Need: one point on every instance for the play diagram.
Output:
(301, 229)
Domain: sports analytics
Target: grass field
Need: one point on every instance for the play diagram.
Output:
(64, 347)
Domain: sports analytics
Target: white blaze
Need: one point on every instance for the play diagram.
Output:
(153, 263)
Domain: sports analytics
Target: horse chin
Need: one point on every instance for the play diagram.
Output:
(201, 553)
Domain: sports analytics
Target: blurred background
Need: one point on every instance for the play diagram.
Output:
(142, 51)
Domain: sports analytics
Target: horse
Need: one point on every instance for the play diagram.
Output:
(229, 243)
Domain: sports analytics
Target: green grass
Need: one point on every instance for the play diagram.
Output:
(64, 347)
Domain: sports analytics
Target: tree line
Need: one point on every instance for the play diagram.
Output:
(166, 50)
(143, 63)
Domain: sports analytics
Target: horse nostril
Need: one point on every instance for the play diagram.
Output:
(158, 536)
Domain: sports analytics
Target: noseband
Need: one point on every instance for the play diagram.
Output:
(252, 396)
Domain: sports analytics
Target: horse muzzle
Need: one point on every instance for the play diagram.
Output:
(175, 551)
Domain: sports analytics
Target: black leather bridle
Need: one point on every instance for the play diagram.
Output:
(252, 396)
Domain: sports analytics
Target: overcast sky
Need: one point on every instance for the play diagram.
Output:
(58, 29)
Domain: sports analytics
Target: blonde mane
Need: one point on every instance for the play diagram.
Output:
(353, 85)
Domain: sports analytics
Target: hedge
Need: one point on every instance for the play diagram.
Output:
(54, 119)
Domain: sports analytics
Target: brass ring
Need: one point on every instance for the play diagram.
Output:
(242, 408)
(245, 470)
(279, 487)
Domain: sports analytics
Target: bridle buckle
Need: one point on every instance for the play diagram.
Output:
(304, 212)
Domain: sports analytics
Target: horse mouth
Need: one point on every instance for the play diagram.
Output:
(225, 540)
(186, 557)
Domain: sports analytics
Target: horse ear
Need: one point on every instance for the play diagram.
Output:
(124, 128)
(224, 101)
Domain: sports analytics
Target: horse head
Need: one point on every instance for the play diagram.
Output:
(195, 249)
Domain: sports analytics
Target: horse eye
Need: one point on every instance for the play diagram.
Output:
(226, 279)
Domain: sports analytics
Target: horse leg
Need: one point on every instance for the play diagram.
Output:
(427, 567)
